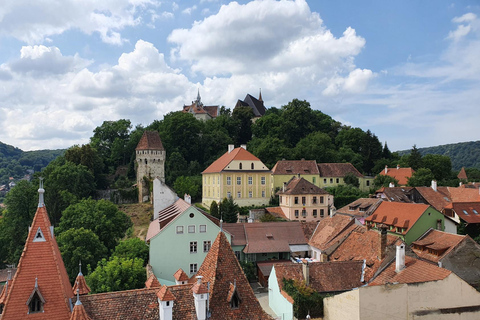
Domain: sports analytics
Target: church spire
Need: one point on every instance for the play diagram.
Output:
(199, 99)
(41, 191)
(260, 95)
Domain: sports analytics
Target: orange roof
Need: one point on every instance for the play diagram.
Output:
(401, 174)
(236, 154)
(397, 214)
(329, 229)
(462, 175)
(221, 268)
(276, 212)
(165, 295)
(415, 271)
(81, 285)
(298, 185)
(152, 282)
(468, 211)
(79, 313)
(441, 242)
(40, 259)
(150, 140)
(180, 275)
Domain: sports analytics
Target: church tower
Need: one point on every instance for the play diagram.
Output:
(150, 159)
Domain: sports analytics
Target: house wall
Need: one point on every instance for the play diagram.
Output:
(170, 251)
(289, 207)
(426, 221)
(450, 226)
(163, 196)
(217, 186)
(407, 301)
(463, 261)
(276, 301)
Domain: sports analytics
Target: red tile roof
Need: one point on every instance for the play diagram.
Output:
(398, 194)
(308, 228)
(221, 268)
(237, 230)
(462, 175)
(329, 230)
(152, 282)
(438, 199)
(441, 242)
(468, 211)
(164, 294)
(180, 275)
(332, 276)
(150, 140)
(401, 174)
(362, 207)
(4, 273)
(294, 167)
(415, 271)
(273, 236)
(301, 186)
(237, 154)
(338, 170)
(41, 260)
(81, 285)
(79, 313)
(276, 212)
(399, 215)
(363, 244)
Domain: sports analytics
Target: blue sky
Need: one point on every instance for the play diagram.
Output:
(408, 70)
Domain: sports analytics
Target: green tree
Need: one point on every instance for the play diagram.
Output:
(243, 116)
(188, 185)
(269, 150)
(421, 178)
(102, 217)
(386, 153)
(384, 181)
(87, 156)
(80, 245)
(415, 159)
(132, 248)
(117, 274)
(228, 210)
(316, 146)
(214, 209)
(351, 179)
(441, 166)
(344, 194)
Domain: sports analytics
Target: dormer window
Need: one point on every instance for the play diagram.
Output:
(39, 237)
(35, 302)
(233, 296)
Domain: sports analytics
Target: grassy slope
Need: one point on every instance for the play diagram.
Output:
(141, 214)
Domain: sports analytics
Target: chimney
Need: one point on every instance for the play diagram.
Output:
(398, 166)
(9, 275)
(386, 169)
(434, 185)
(284, 186)
(460, 184)
(187, 198)
(383, 241)
(165, 303)
(306, 273)
(391, 185)
(244, 146)
(400, 258)
(231, 147)
(200, 295)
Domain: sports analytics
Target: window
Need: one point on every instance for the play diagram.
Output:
(239, 180)
(321, 199)
(229, 195)
(465, 212)
(193, 268)
(250, 194)
(238, 255)
(295, 200)
(35, 304)
(322, 213)
(235, 301)
(203, 228)
(206, 246)
(296, 213)
(368, 183)
(251, 257)
(250, 180)
(314, 200)
(314, 180)
(193, 247)
(179, 229)
(475, 211)
(229, 181)
(303, 200)
(191, 229)
(338, 180)
(304, 213)
(240, 166)
(252, 166)
(331, 180)
(239, 194)
(280, 199)
(262, 180)
(314, 213)
(263, 193)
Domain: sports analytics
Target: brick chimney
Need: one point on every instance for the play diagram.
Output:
(400, 258)
(231, 147)
(383, 242)
(306, 273)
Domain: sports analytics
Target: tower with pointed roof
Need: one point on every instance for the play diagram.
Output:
(40, 288)
(150, 162)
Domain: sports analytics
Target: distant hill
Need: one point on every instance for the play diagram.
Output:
(463, 154)
(14, 162)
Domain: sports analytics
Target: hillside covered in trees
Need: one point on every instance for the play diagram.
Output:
(463, 154)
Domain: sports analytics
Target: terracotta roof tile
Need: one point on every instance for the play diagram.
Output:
(221, 268)
(362, 244)
(329, 229)
(237, 230)
(164, 294)
(150, 140)
(277, 212)
(180, 275)
(401, 174)
(332, 276)
(462, 175)
(415, 271)
(438, 199)
(301, 186)
(40, 259)
(362, 207)
(400, 215)
(79, 313)
(468, 211)
(4, 273)
(337, 170)
(273, 236)
(294, 167)
(308, 228)
(236, 154)
(152, 282)
(397, 194)
(442, 242)
(81, 285)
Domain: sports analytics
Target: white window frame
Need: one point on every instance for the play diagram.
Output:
(191, 229)
(263, 181)
(193, 247)
(263, 193)
(193, 268)
(229, 181)
(179, 229)
(207, 244)
(202, 228)
(250, 194)
(239, 194)
(239, 181)
(250, 180)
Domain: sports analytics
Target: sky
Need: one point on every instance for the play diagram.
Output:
(407, 70)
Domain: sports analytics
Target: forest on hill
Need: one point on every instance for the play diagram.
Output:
(462, 154)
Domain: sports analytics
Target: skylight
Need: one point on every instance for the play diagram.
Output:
(474, 211)
(465, 211)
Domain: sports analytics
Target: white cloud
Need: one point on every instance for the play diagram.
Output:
(189, 10)
(34, 21)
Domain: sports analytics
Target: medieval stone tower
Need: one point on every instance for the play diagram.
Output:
(150, 158)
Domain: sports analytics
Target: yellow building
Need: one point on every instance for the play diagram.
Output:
(237, 174)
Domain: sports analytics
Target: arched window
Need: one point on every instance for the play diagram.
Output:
(252, 166)
(240, 166)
